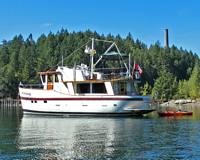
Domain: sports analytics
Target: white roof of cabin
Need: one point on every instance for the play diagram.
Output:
(70, 73)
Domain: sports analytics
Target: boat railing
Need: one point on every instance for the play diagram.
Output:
(114, 76)
(112, 73)
(31, 86)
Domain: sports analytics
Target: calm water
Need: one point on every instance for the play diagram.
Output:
(34, 137)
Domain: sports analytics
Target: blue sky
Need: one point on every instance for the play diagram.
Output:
(144, 19)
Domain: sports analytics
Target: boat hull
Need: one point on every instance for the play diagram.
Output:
(102, 105)
(91, 114)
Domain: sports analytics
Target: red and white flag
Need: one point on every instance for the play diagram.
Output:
(137, 71)
(137, 68)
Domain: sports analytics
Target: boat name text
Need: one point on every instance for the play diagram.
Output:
(25, 93)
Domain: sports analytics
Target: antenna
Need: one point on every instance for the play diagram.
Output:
(129, 65)
(62, 61)
(92, 59)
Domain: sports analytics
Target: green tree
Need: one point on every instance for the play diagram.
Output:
(183, 89)
(146, 89)
(165, 86)
(4, 54)
(194, 82)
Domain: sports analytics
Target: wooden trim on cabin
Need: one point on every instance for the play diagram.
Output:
(48, 72)
(96, 80)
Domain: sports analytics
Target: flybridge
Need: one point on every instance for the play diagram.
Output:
(111, 62)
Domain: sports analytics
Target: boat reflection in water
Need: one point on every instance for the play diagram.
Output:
(77, 138)
(40, 137)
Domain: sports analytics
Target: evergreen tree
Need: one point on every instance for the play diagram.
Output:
(165, 86)
(194, 82)
(4, 54)
(183, 89)
(146, 89)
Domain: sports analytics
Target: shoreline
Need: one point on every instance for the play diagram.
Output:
(181, 104)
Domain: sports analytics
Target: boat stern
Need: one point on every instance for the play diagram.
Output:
(142, 106)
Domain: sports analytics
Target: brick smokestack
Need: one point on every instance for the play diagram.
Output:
(166, 39)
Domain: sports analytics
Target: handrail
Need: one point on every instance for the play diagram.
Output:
(36, 86)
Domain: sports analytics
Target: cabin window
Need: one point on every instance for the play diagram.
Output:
(56, 78)
(122, 88)
(83, 88)
(50, 78)
(98, 88)
(45, 101)
(43, 79)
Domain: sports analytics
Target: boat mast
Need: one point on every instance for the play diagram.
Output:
(92, 52)
(62, 61)
(129, 65)
(92, 59)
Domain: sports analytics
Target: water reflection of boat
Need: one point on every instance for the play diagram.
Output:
(83, 90)
(76, 138)
(175, 113)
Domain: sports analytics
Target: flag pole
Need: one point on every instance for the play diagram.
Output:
(133, 70)
(129, 65)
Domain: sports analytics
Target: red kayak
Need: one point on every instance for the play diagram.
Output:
(175, 113)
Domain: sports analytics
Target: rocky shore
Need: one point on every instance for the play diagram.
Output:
(183, 102)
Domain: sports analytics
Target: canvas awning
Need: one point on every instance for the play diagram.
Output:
(113, 55)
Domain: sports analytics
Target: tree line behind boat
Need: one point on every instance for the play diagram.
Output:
(168, 73)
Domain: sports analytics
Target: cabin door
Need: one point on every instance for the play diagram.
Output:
(50, 82)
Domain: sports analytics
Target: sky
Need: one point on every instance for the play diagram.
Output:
(144, 19)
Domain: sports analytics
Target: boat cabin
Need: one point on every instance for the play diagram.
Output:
(53, 80)
(81, 80)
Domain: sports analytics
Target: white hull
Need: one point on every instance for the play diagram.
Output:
(54, 103)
